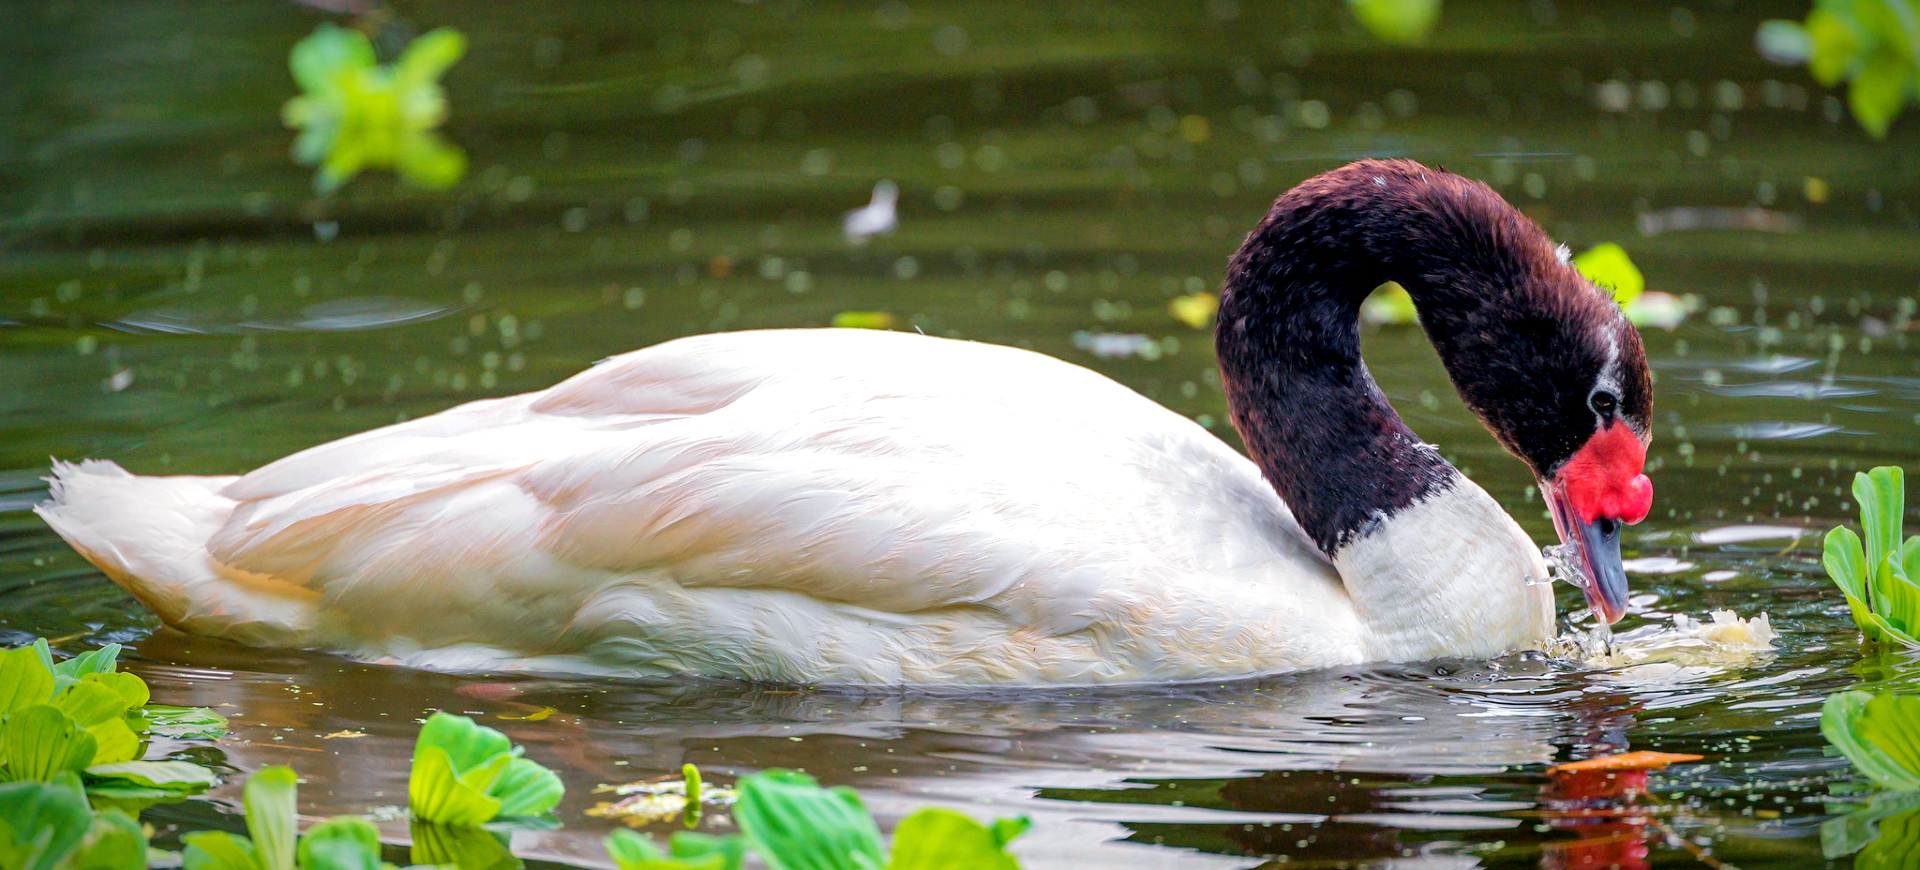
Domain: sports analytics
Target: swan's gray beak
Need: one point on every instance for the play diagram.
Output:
(1595, 546)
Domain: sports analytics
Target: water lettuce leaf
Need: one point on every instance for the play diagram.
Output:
(180, 778)
(25, 680)
(468, 774)
(271, 799)
(218, 850)
(1402, 22)
(41, 823)
(184, 722)
(1876, 733)
(344, 843)
(937, 839)
(99, 661)
(42, 742)
(1877, 575)
(796, 825)
(631, 850)
(115, 841)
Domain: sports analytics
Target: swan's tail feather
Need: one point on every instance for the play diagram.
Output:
(150, 535)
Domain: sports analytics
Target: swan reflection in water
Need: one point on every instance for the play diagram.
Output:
(1435, 764)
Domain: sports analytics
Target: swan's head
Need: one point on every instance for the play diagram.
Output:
(1561, 378)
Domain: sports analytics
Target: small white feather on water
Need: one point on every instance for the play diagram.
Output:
(877, 217)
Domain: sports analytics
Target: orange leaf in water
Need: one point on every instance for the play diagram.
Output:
(1623, 761)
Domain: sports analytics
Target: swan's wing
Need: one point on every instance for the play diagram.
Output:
(896, 474)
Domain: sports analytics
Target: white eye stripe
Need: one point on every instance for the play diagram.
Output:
(1608, 381)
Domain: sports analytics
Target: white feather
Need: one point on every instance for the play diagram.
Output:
(823, 506)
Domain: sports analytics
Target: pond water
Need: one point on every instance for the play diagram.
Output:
(174, 298)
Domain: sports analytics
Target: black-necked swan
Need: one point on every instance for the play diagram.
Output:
(848, 506)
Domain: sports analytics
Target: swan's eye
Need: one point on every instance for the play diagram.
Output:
(1604, 403)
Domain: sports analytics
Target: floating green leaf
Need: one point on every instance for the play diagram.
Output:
(1402, 22)
(357, 114)
(99, 661)
(41, 742)
(25, 679)
(184, 722)
(796, 825)
(1608, 265)
(467, 774)
(218, 850)
(179, 778)
(271, 798)
(41, 823)
(1872, 44)
(937, 839)
(115, 841)
(1877, 733)
(345, 843)
(635, 851)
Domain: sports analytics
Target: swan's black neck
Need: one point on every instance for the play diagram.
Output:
(1289, 343)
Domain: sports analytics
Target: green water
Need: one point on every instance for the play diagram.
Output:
(173, 298)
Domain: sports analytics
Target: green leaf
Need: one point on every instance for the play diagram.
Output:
(690, 775)
(1834, 45)
(1005, 830)
(128, 686)
(436, 793)
(1878, 92)
(271, 799)
(1608, 265)
(24, 679)
(218, 850)
(184, 722)
(1842, 723)
(99, 661)
(1892, 723)
(464, 846)
(40, 742)
(428, 57)
(937, 839)
(1402, 22)
(175, 777)
(41, 823)
(90, 704)
(114, 842)
(635, 851)
(467, 774)
(344, 843)
(329, 52)
(525, 788)
(1846, 563)
(796, 825)
(689, 846)
(1898, 843)
(1881, 494)
(466, 743)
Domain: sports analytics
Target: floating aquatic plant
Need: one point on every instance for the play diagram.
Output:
(1605, 264)
(794, 824)
(469, 774)
(1195, 309)
(1877, 575)
(1872, 45)
(1880, 734)
(271, 799)
(685, 851)
(50, 826)
(357, 113)
(1402, 22)
(82, 717)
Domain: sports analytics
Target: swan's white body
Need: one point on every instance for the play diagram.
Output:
(815, 506)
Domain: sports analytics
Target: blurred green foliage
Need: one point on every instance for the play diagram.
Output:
(1873, 45)
(357, 113)
(1401, 22)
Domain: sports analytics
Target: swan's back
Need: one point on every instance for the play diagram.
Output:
(806, 505)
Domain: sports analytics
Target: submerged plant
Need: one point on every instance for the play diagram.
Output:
(81, 717)
(357, 113)
(1872, 45)
(469, 774)
(1877, 575)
